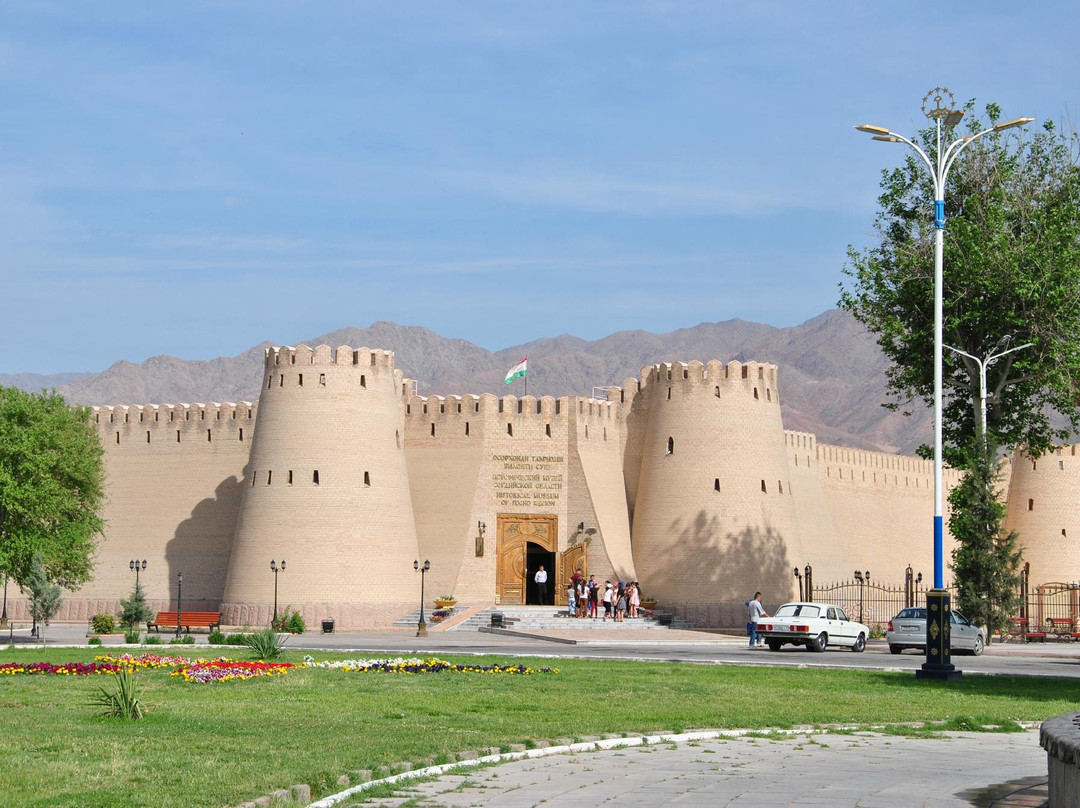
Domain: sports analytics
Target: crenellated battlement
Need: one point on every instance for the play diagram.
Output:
(152, 415)
(286, 355)
(715, 371)
(155, 424)
(801, 441)
(755, 378)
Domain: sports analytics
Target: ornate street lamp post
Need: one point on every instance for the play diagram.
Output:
(136, 566)
(798, 577)
(861, 577)
(421, 627)
(945, 116)
(274, 566)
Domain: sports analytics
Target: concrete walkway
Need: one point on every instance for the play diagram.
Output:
(822, 770)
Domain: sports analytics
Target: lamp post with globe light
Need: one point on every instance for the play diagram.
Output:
(939, 106)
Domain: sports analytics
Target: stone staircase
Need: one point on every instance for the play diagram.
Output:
(551, 618)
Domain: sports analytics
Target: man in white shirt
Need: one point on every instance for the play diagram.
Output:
(541, 584)
(754, 611)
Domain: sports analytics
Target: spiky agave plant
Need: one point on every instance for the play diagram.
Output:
(265, 644)
(122, 701)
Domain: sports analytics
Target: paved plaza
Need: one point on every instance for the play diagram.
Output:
(823, 770)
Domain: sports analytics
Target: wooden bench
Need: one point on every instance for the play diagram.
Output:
(1018, 627)
(1061, 628)
(210, 620)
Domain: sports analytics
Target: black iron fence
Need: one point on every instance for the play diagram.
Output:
(1047, 611)
(869, 601)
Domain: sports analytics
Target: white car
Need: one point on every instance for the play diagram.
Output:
(814, 625)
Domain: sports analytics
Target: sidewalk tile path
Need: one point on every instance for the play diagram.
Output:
(865, 770)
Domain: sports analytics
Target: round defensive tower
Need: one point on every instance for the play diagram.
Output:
(326, 490)
(713, 515)
(1042, 508)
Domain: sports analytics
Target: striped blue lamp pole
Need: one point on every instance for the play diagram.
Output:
(938, 106)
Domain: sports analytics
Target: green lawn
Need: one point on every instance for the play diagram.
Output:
(225, 743)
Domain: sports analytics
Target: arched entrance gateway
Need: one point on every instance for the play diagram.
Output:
(524, 542)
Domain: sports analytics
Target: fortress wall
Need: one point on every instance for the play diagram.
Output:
(635, 419)
(444, 466)
(597, 490)
(822, 546)
(496, 455)
(172, 483)
(883, 510)
(714, 517)
(1044, 508)
(326, 490)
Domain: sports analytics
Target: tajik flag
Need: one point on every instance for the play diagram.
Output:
(518, 370)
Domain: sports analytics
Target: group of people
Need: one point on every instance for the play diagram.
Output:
(584, 597)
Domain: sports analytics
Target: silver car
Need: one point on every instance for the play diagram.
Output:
(908, 630)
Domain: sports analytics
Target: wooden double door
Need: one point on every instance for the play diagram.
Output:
(524, 542)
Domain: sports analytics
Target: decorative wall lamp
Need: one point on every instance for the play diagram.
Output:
(481, 528)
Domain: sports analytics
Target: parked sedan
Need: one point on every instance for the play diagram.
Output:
(814, 625)
(908, 630)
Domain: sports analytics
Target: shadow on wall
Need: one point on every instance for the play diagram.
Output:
(735, 564)
(202, 546)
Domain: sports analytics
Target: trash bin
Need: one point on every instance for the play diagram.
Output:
(497, 620)
(328, 625)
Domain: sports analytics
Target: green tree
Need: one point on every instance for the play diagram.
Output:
(44, 595)
(1012, 267)
(51, 487)
(987, 560)
(134, 610)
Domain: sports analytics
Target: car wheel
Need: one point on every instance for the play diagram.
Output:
(977, 648)
(819, 643)
(860, 644)
(895, 649)
(774, 645)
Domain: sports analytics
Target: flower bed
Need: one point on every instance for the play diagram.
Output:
(227, 670)
(48, 669)
(416, 665)
(201, 671)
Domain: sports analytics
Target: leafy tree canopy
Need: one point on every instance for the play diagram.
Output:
(51, 487)
(1012, 267)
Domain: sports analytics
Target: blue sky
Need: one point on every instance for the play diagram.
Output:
(192, 178)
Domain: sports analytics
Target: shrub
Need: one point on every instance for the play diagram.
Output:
(103, 623)
(186, 639)
(291, 621)
(123, 701)
(135, 610)
(216, 638)
(152, 639)
(236, 639)
(94, 641)
(265, 644)
(131, 636)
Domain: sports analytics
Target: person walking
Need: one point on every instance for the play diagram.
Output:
(571, 599)
(541, 585)
(754, 611)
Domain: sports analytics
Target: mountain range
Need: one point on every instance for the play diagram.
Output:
(832, 374)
